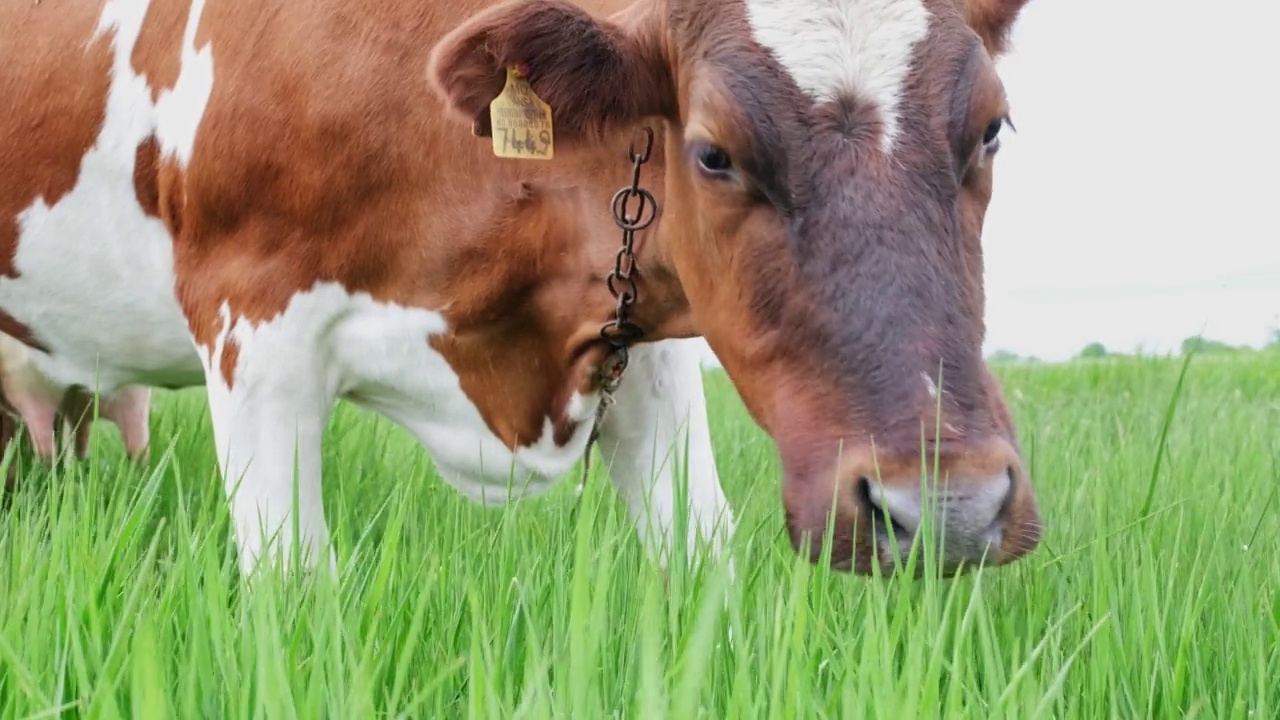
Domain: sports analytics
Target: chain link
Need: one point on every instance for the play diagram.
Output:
(620, 331)
(634, 209)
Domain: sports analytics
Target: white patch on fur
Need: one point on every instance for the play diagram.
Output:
(391, 369)
(834, 47)
(95, 272)
(180, 109)
(329, 343)
(273, 415)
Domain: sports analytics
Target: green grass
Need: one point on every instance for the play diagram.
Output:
(1155, 594)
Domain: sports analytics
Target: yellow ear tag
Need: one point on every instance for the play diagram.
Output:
(521, 121)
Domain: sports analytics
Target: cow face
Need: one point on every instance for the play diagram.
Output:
(827, 165)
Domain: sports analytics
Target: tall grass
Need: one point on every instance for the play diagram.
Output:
(1155, 594)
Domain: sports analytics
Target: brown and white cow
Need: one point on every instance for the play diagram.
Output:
(284, 201)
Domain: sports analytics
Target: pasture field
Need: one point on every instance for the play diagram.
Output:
(1155, 594)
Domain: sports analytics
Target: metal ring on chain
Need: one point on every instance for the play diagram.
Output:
(621, 333)
(641, 220)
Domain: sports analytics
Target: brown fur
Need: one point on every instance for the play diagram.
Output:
(504, 252)
(992, 20)
(158, 53)
(8, 436)
(11, 326)
(630, 77)
(872, 267)
(146, 172)
(53, 110)
(826, 277)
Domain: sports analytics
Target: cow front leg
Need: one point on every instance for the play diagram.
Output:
(656, 429)
(269, 401)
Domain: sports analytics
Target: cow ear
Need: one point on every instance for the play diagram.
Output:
(595, 74)
(992, 20)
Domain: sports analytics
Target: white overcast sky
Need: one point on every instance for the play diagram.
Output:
(1137, 203)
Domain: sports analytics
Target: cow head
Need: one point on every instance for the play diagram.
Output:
(827, 166)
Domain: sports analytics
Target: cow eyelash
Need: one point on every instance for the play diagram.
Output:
(991, 137)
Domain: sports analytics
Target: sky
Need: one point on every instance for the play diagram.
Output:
(1137, 203)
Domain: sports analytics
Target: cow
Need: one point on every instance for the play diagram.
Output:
(490, 222)
(43, 405)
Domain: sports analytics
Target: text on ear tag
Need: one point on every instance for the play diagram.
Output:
(521, 121)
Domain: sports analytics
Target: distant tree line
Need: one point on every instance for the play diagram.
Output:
(1196, 343)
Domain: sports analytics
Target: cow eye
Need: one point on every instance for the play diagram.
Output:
(714, 161)
(991, 137)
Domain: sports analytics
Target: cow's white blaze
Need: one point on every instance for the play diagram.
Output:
(862, 48)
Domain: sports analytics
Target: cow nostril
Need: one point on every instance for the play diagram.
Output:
(1006, 505)
(876, 509)
(869, 502)
(862, 494)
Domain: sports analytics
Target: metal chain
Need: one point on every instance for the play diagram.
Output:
(620, 332)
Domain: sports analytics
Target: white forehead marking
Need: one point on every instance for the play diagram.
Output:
(833, 47)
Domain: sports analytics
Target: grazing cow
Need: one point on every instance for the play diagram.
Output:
(29, 395)
(294, 202)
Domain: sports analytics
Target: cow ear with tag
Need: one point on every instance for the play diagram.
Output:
(591, 74)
